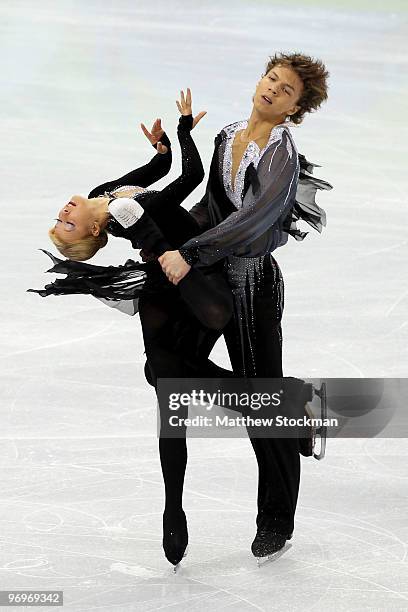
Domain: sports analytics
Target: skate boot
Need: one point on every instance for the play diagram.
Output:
(175, 537)
(307, 445)
(267, 544)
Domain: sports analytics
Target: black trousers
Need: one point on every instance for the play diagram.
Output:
(278, 458)
(177, 345)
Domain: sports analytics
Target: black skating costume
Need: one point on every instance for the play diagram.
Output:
(241, 225)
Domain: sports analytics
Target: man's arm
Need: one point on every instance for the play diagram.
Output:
(253, 230)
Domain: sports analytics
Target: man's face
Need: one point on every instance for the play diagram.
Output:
(277, 93)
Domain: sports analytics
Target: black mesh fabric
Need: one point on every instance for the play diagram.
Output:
(280, 192)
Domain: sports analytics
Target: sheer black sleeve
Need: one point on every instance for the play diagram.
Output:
(144, 176)
(253, 230)
(305, 207)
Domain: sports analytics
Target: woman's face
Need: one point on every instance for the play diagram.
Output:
(80, 218)
(277, 93)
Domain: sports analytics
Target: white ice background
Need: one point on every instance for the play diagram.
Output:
(81, 488)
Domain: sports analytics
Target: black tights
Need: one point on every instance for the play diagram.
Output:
(177, 346)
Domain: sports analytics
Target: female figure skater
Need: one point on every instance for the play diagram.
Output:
(258, 187)
(149, 219)
(178, 326)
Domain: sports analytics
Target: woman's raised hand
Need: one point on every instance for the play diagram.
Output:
(185, 107)
(155, 135)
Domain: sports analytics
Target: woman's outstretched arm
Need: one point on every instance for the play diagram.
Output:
(144, 176)
(164, 207)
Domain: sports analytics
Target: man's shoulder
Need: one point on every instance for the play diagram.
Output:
(235, 125)
(281, 134)
(228, 130)
(231, 128)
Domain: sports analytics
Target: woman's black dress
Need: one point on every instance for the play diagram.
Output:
(164, 225)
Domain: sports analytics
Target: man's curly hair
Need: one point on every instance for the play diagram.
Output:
(314, 76)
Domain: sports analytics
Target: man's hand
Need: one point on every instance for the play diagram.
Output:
(174, 266)
(155, 135)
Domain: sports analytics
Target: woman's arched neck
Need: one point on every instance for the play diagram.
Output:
(104, 211)
(103, 207)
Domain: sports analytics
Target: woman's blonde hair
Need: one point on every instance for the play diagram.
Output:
(80, 250)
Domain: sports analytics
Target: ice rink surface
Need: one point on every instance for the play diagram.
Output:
(81, 488)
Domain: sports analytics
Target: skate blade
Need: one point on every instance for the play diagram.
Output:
(261, 561)
(321, 432)
(319, 454)
(318, 433)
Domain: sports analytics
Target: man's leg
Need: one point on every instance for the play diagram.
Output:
(278, 458)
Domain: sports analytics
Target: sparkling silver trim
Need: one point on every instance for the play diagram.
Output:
(252, 154)
(125, 188)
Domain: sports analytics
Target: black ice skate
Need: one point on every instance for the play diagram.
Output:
(296, 397)
(175, 537)
(267, 545)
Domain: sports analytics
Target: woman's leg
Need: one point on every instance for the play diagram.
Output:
(208, 297)
(157, 316)
(206, 292)
(177, 346)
